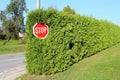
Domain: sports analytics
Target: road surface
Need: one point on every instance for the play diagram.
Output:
(11, 65)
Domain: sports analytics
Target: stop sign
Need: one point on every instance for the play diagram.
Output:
(40, 30)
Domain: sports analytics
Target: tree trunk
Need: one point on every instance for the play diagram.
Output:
(7, 40)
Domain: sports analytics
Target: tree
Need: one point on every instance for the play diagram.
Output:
(12, 18)
(69, 10)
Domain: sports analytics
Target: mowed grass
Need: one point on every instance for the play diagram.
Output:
(103, 66)
(13, 46)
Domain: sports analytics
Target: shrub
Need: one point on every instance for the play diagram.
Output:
(3, 36)
(70, 39)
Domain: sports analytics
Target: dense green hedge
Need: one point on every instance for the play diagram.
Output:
(70, 39)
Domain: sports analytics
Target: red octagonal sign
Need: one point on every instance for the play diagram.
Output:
(40, 30)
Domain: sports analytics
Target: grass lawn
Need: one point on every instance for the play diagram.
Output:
(103, 66)
(13, 46)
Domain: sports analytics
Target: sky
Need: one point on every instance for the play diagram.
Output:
(100, 9)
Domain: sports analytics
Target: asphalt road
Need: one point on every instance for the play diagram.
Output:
(10, 61)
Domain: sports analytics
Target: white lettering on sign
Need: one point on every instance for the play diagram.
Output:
(40, 30)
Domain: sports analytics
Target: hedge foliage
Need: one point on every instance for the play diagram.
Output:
(70, 39)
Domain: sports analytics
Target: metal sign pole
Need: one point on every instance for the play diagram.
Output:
(38, 4)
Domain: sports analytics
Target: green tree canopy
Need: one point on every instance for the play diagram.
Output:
(12, 17)
(69, 10)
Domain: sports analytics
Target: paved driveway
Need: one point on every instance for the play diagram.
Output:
(11, 66)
